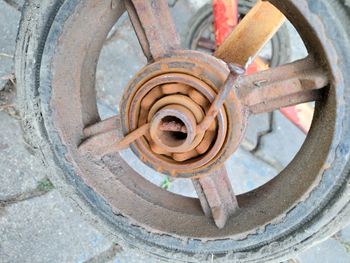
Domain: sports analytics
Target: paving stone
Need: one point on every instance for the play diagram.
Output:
(258, 125)
(9, 18)
(298, 48)
(46, 229)
(280, 146)
(182, 12)
(17, 4)
(121, 48)
(20, 171)
(127, 257)
(344, 235)
(247, 172)
(178, 186)
(329, 251)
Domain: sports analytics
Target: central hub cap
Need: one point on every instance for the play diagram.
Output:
(173, 96)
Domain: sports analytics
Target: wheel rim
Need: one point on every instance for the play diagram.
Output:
(122, 193)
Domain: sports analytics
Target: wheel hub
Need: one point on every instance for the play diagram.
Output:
(173, 95)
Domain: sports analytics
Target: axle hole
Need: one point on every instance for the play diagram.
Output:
(172, 131)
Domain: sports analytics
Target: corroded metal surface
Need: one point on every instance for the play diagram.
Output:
(163, 106)
(290, 84)
(107, 142)
(236, 72)
(157, 101)
(217, 196)
(154, 27)
(171, 101)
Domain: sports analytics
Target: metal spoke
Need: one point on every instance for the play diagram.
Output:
(154, 27)
(251, 34)
(109, 124)
(216, 196)
(103, 139)
(287, 85)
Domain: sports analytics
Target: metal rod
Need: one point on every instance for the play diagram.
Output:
(235, 72)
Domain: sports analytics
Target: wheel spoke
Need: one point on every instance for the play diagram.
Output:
(103, 139)
(291, 84)
(251, 34)
(154, 27)
(109, 124)
(216, 196)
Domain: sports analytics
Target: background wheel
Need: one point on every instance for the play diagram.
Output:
(57, 52)
(200, 35)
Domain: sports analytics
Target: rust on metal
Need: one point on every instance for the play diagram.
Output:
(198, 77)
(108, 142)
(172, 126)
(102, 126)
(291, 84)
(178, 122)
(174, 104)
(170, 141)
(217, 197)
(172, 120)
(154, 27)
(235, 72)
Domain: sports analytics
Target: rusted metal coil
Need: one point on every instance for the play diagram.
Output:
(175, 104)
(184, 104)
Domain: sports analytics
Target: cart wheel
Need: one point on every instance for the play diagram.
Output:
(58, 47)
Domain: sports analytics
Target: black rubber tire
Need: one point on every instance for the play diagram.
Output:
(281, 44)
(36, 22)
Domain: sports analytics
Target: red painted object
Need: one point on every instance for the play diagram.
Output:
(225, 20)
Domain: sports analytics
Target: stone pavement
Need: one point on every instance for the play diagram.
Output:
(37, 224)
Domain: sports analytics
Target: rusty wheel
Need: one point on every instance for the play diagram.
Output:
(183, 115)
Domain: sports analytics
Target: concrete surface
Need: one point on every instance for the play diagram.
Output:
(36, 223)
(46, 229)
(17, 162)
(9, 18)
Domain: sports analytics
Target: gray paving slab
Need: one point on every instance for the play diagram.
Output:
(126, 257)
(20, 171)
(16, 4)
(280, 146)
(258, 125)
(247, 172)
(120, 59)
(46, 229)
(344, 235)
(330, 251)
(9, 18)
